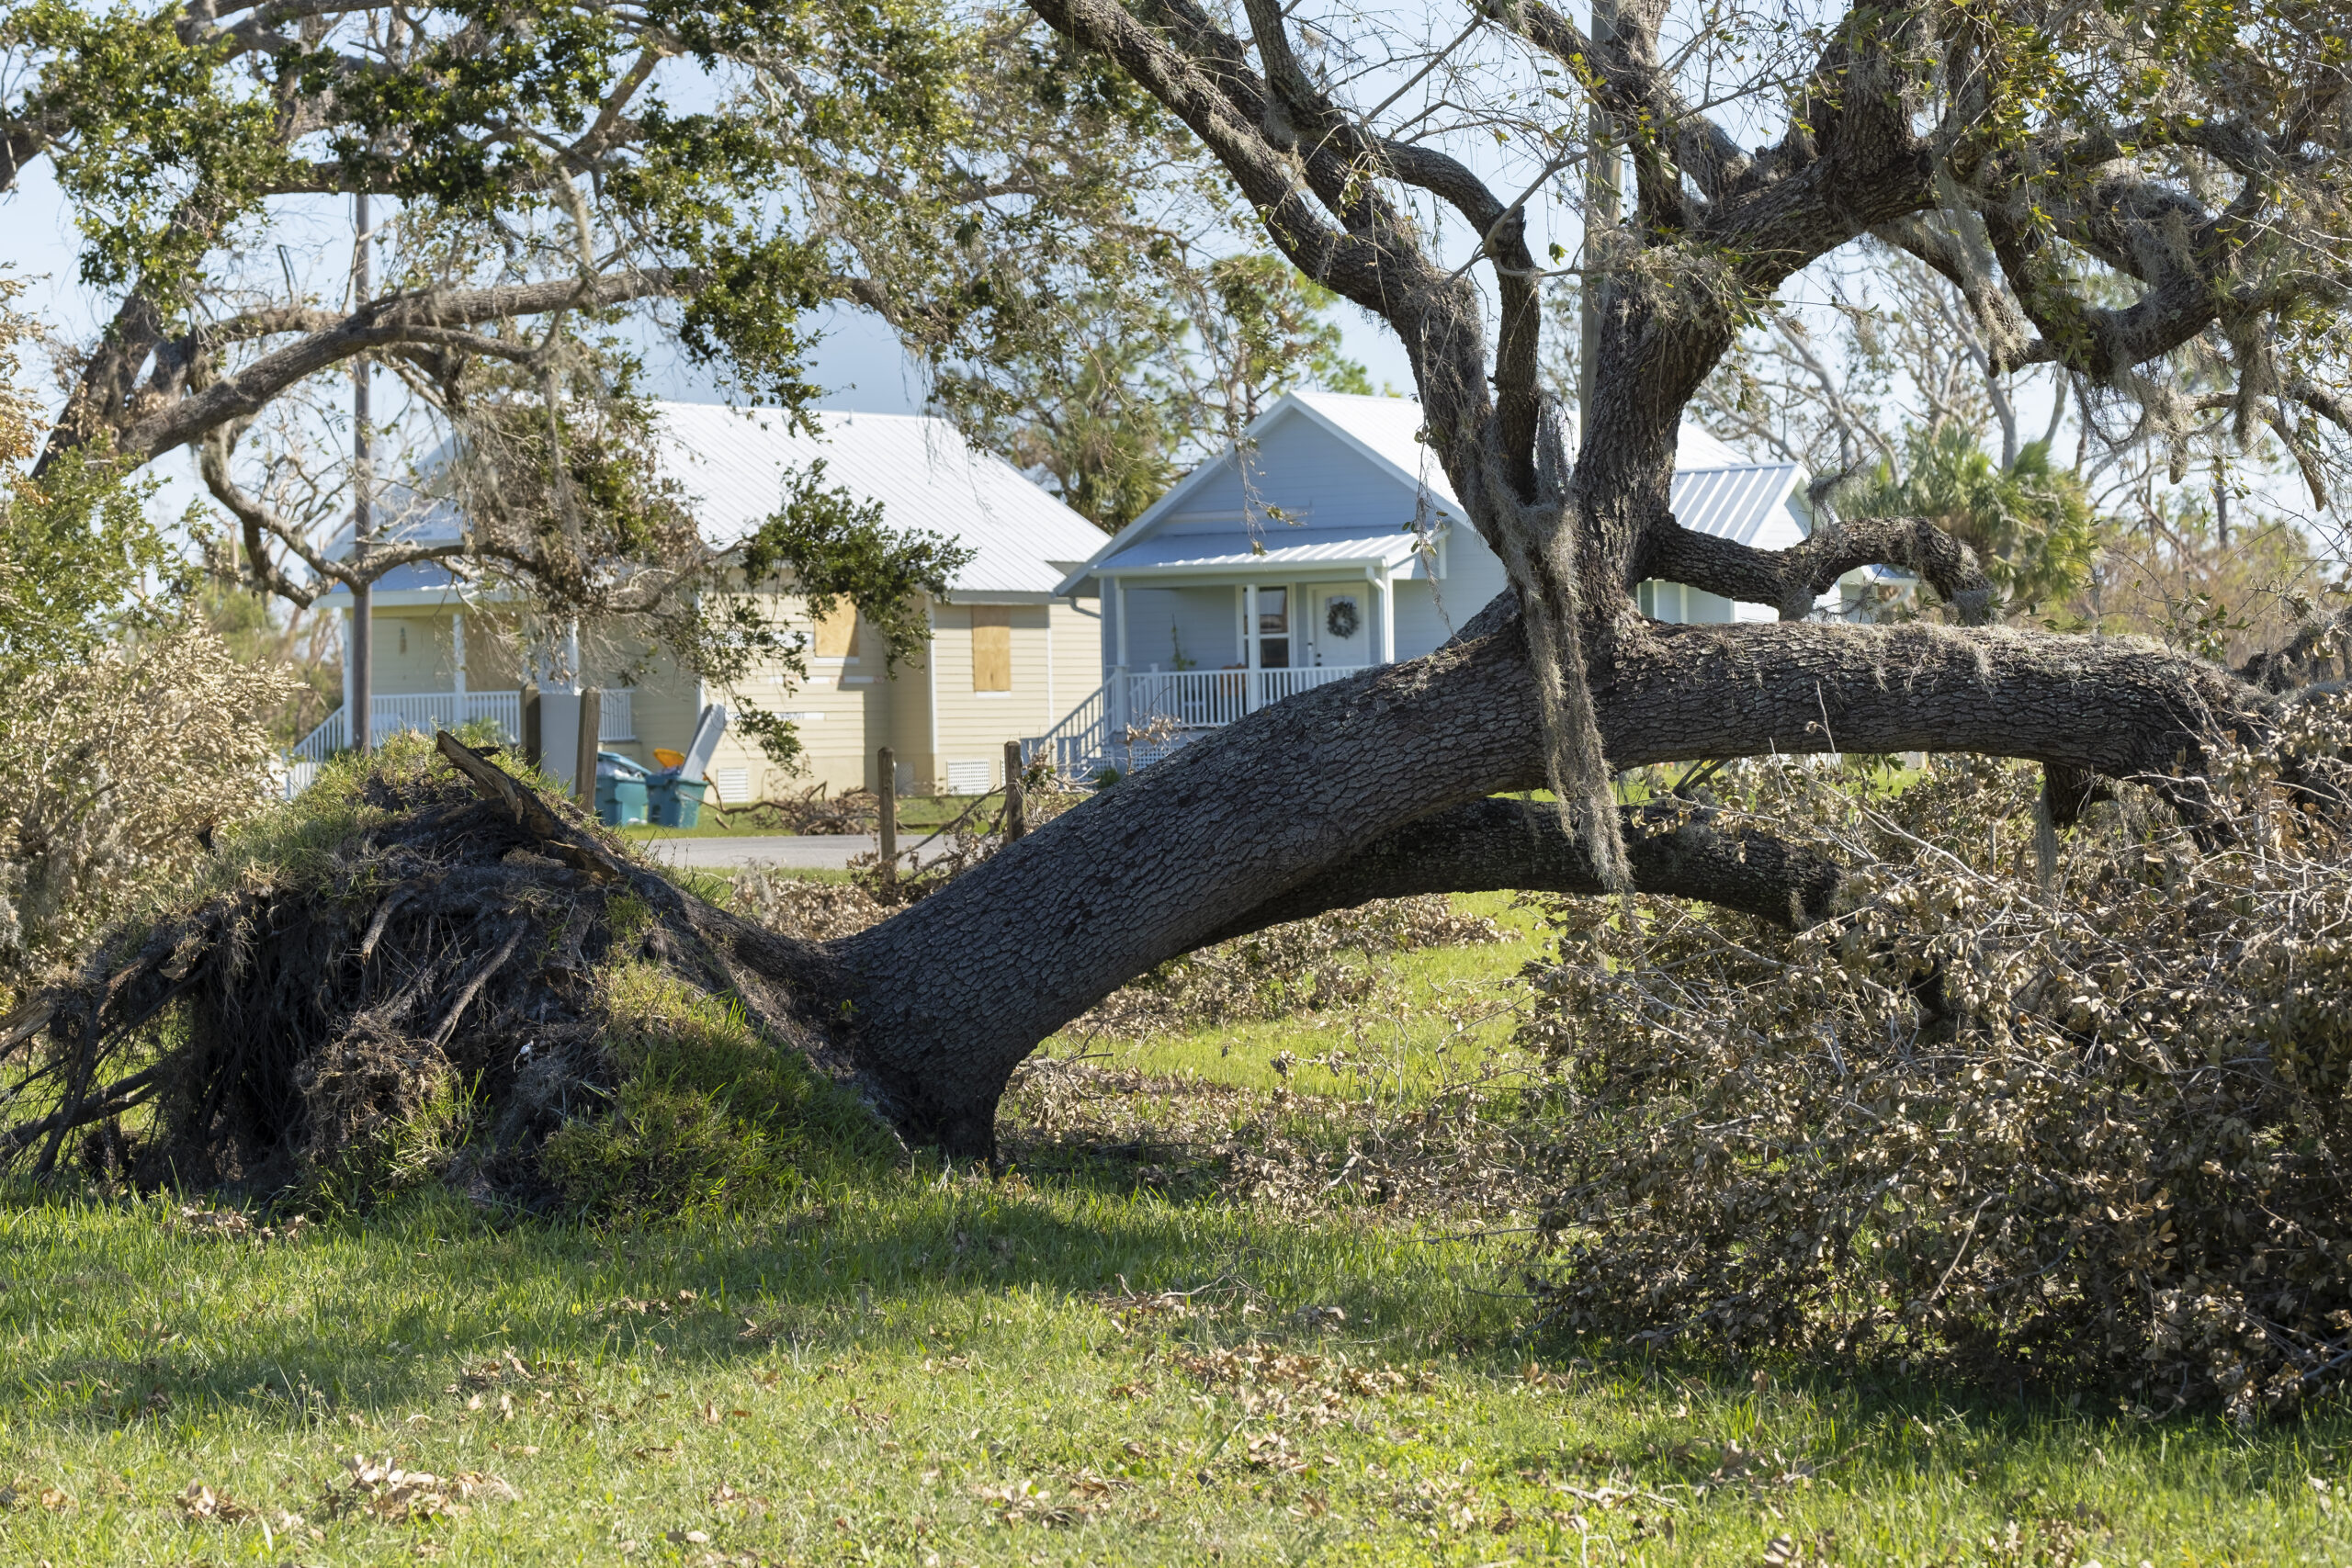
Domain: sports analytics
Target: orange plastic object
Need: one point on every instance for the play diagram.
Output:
(669, 759)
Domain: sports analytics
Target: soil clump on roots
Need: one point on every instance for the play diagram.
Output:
(425, 969)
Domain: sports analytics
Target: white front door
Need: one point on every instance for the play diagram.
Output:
(1342, 625)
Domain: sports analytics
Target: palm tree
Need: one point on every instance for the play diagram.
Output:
(2030, 523)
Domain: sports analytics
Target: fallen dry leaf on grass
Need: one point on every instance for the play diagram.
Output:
(200, 1502)
(384, 1491)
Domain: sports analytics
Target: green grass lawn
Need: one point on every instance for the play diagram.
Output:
(1076, 1363)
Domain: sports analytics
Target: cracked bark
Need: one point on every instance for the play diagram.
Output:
(1380, 782)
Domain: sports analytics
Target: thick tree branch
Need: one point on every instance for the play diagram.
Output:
(1791, 579)
(431, 317)
(1190, 847)
(2322, 401)
(1499, 845)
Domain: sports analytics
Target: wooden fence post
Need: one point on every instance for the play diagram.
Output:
(887, 777)
(1016, 813)
(534, 736)
(592, 716)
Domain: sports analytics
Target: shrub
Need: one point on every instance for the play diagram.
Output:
(114, 774)
(2069, 1109)
(127, 733)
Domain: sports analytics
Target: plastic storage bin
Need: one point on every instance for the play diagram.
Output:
(622, 797)
(676, 802)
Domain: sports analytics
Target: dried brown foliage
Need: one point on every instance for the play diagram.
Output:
(113, 774)
(810, 812)
(2070, 1107)
(800, 906)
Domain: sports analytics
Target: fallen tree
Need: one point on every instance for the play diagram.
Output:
(1927, 129)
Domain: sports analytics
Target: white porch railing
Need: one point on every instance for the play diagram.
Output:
(1078, 745)
(417, 710)
(1134, 720)
(428, 711)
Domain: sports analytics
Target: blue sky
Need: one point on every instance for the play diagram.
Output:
(857, 361)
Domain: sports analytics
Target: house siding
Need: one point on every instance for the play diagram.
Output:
(1197, 628)
(1311, 476)
(428, 665)
(973, 725)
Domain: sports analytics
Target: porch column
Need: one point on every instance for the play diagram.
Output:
(1118, 673)
(457, 658)
(1250, 643)
(1388, 617)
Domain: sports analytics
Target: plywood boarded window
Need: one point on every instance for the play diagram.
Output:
(991, 648)
(837, 633)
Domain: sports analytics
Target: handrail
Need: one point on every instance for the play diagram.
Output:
(1133, 720)
(428, 711)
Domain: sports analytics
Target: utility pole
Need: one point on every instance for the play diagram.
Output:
(1602, 207)
(363, 520)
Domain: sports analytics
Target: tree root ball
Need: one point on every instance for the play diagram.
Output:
(415, 973)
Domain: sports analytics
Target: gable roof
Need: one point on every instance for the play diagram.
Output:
(1182, 555)
(921, 469)
(733, 462)
(1735, 499)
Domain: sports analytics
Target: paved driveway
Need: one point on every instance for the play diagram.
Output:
(826, 851)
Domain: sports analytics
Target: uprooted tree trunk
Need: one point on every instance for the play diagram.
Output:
(479, 914)
(1378, 784)
(1382, 783)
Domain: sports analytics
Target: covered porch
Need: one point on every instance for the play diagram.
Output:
(1199, 635)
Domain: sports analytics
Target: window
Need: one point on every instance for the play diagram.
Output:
(1274, 628)
(836, 635)
(991, 648)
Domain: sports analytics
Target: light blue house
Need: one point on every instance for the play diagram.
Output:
(1327, 543)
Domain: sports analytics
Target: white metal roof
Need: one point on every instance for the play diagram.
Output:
(922, 469)
(1735, 498)
(1737, 502)
(1188, 553)
(733, 463)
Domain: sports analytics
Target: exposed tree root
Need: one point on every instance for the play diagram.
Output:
(453, 940)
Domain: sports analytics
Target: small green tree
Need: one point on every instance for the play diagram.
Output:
(1112, 393)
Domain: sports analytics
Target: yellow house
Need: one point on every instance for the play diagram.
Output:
(1006, 657)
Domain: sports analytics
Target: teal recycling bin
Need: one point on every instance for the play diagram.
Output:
(676, 802)
(622, 798)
